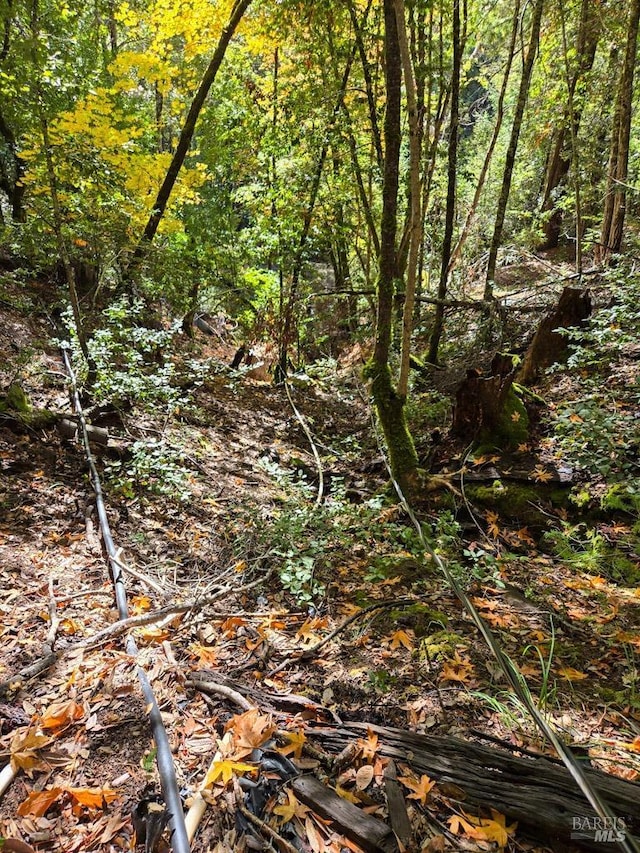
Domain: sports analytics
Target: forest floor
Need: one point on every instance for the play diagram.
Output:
(221, 513)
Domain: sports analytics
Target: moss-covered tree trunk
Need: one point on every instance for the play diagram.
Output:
(389, 404)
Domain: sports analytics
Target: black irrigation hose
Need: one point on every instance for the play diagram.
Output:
(164, 759)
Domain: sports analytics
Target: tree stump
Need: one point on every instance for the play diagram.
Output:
(487, 408)
(549, 345)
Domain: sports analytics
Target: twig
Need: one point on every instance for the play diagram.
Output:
(54, 619)
(314, 449)
(221, 690)
(313, 650)
(136, 574)
(281, 842)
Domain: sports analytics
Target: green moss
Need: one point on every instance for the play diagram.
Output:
(16, 399)
(391, 413)
(512, 428)
(518, 500)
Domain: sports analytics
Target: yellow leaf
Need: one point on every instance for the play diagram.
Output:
(296, 742)
(420, 789)
(401, 638)
(289, 809)
(575, 419)
(515, 417)
(225, 770)
(496, 829)
(571, 674)
(541, 475)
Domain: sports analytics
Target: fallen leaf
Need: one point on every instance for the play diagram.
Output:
(225, 770)
(38, 803)
(61, 714)
(401, 638)
(369, 746)
(571, 674)
(296, 742)
(250, 730)
(420, 789)
(364, 777)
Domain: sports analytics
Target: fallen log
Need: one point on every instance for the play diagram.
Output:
(537, 792)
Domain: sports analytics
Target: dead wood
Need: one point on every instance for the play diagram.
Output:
(368, 832)
(549, 345)
(539, 793)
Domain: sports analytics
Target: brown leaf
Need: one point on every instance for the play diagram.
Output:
(38, 803)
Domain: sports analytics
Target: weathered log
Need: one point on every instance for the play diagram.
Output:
(368, 832)
(549, 345)
(539, 793)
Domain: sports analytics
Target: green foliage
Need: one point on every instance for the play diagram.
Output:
(153, 466)
(587, 550)
(597, 433)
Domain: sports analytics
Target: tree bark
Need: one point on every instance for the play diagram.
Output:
(452, 173)
(616, 195)
(389, 404)
(457, 251)
(559, 163)
(510, 159)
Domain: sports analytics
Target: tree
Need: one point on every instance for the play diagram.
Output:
(510, 159)
(560, 157)
(390, 405)
(616, 190)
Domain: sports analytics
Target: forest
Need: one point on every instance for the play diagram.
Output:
(319, 426)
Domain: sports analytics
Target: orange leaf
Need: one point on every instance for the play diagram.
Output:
(458, 669)
(493, 528)
(38, 803)
(92, 798)
(250, 730)
(401, 638)
(61, 714)
(420, 789)
(369, 746)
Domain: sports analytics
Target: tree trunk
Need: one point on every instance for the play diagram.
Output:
(510, 159)
(188, 129)
(452, 167)
(389, 404)
(616, 193)
(559, 162)
(415, 195)
(455, 254)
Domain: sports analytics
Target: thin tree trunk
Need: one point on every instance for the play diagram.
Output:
(188, 129)
(558, 164)
(366, 71)
(415, 192)
(296, 272)
(390, 405)
(462, 239)
(510, 159)
(438, 322)
(616, 195)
